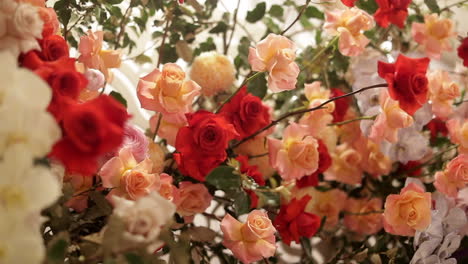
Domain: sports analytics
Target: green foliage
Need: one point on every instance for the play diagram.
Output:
(241, 203)
(370, 6)
(118, 96)
(432, 5)
(258, 86)
(313, 12)
(257, 13)
(276, 11)
(224, 178)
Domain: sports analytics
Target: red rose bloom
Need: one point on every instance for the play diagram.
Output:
(349, 3)
(293, 223)
(53, 47)
(407, 82)
(203, 143)
(251, 171)
(90, 130)
(246, 112)
(411, 168)
(391, 11)
(463, 51)
(253, 198)
(437, 126)
(325, 161)
(341, 105)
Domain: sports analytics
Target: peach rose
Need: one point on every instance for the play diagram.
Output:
(408, 211)
(345, 166)
(169, 126)
(276, 54)
(129, 179)
(194, 198)
(329, 203)
(458, 131)
(319, 119)
(257, 147)
(454, 177)
(442, 92)
(250, 241)
(167, 189)
(359, 219)
(390, 120)
(434, 35)
(157, 156)
(94, 57)
(167, 91)
(373, 160)
(296, 155)
(349, 24)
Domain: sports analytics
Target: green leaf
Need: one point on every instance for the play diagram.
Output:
(114, 2)
(142, 59)
(432, 5)
(313, 12)
(276, 11)
(370, 6)
(168, 54)
(57, 248)
(257, 13)
(258, 86)
(241, 203)
(223, 178)
(133, 259)
(219, 28)
(117, 96)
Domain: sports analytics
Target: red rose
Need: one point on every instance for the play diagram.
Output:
(407, 82)
(90, 130)
(246, 112)
(391, 11)
(349, 3)
(53, 48)
(251, 171)
(325, 161)
(253, 199)
(293, 223)
(51, 23)
(203, 143)
(437, 126)
(463, 51)
(411, 168)
(341, 105)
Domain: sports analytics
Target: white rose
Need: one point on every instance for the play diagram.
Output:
(26, 22)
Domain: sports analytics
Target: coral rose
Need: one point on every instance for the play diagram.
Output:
(250, 241)
(276, 55)
(257, 147)
(167, 91)
(364, 217)
(434, 34)
(296, 155)
(193, 198)
(317, 120)
(458, 132)
(442, 92)
(345, 165)
(408, 211)
(407, 82)
(454, 177)
(214, 73)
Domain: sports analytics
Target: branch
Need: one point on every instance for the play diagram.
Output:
(122, 25)
(166, 29)
(297, 18)
(303, 111)
(226, 47)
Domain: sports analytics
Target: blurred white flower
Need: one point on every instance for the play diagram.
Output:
(144, 219)
(95, 79)
(422, 116)
(411, 145)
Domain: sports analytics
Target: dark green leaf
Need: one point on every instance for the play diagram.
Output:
(57, 250)
(257, 13)
(168, 54)
(313, 12)
(133, 259)
(258, 86)
(432, 5)
(276, 11)
(242, 203)
(223, 178)
(114, 2)
(117, 96)
(370, 6)
(219, 28)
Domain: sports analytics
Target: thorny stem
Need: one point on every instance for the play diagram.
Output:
(226, 48)
(353, 120)
(297, 18)
(303, 111)
(158, 124)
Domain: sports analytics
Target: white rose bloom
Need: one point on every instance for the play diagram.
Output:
(144, 218)
(23, 102)
(411, 145)
(24, 187)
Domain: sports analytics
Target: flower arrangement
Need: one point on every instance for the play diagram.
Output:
(351, 148)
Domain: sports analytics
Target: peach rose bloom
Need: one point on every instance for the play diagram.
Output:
(250, 241)
(458, 132)
(389, 121)
(363, 222)
(346, 165)
(408, 211)
(329, 203)
(167, 91)
(194, 198)
(434, 34)
(319, 119)
(168, 190)
(454, 177)
(169, 126)
(94, 57)
(130, 180)
(157, 156)
(373, 161)
(257, 147)
(349, 25)
(296, 155)
(276, 54)
(442, 92)
(350, 132)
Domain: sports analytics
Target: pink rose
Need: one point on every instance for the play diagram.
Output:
(360, 220)
(129, 179)
(349, 24)
(276, 54)
(167, 189)
(345, 165)
(408, 211)
(296, 155)
(434, 34)
(317, 120)
(194, 198)
(458, 132)
(167, 91)
(250, 241)
(442, 92)
(454, 177)
(373, 160)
